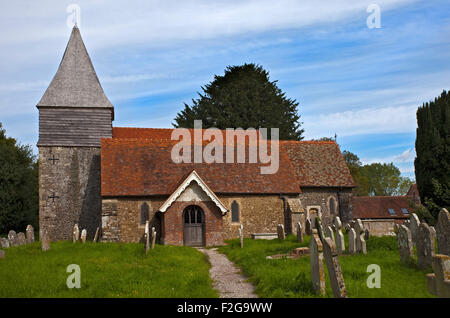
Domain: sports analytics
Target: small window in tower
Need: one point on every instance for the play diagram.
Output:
(144, 213)
(234, 212)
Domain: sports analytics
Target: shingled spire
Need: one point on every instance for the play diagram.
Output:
(75, 84)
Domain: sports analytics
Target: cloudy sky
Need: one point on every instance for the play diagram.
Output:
(363, 84)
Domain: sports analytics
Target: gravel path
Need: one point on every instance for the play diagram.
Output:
(226, 277)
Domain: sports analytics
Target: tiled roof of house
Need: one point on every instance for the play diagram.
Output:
(318, 163)
(139, 167)
(137, 161)
(381, 207)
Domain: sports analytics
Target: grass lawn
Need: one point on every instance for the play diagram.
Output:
(107, 270)
(292, 277)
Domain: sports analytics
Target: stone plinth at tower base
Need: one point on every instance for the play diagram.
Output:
(439, 283)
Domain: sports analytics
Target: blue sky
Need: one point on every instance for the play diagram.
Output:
(152, 56)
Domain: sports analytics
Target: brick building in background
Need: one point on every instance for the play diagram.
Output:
(117, 178)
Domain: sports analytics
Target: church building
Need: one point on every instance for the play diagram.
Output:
(118, 178)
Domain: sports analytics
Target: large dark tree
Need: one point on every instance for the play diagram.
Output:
(18, 185)
(243, 97)
(432, 163)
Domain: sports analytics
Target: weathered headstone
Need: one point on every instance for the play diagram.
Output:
(347, 227)
(340, 241)
(83, 236)
(299, 232)
(316, 260)
(4, 242)
(2, 254)
(241, 235)
(405, 245)
(281, 233)
(21, 239)
(352, 241)
(425, 246)
(12, 237)
(147, 237)
(439, 283)
(360, 241)
(329, 232)
(76, 233)
(414, 224)
(97, 234)
(153, 237)
(443, 232)
(334, 269)
(308, 227)
(45, 240)
(319, 228)
(366, 234)
(30, 234)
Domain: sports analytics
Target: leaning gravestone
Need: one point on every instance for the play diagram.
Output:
(334, 269)
(319, 228)
(329, 233)
(352, 241)
(21, 239)
(439, 283)
(97, 233)
(443, 232)
(405, 245)
(4, 242)
(45, 240)
(316, 259)
(425, 246)
(308, 227)
(153, 237)
(340, 241)
(414, 224)
(299, 232)
(30, 234)
(147, 237)
(12, 237)
(281, 234)
(76, 233)
(83, 236)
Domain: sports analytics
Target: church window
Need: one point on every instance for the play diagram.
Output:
(234, 212)
(332, 204)
(144, 213)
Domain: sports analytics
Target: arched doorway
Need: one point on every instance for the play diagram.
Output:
(194, 226)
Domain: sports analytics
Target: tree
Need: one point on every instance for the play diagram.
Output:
(18, 185)
(244, 97)
(432, 163)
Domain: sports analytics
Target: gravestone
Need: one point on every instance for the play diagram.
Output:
(21, 239)
(439, 283)
(308, 227)
(153, 237)
(329, 232)
(443, 232)
(30, 234)
(425, 246)
(366, 234)
(83, 236)
(4, 242)
(241, 235)
(405, 245)
(97, 233)
(414, 224)
(352, 241)
(45, 240)
(76, 233)
(360, 242)
(147, 237)
(340, 241)
(281, 234)
(12, 237)
(334, 269)
(316, 260)
(299, 232)
(347, 227)
(319, 228)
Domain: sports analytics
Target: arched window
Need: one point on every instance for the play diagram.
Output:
(332, 204)
(144, 213)
(234, 212)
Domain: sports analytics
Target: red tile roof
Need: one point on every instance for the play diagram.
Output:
(378, 207)
(318, 163)
(137, 161)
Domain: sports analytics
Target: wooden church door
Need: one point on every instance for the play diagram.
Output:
(194, 225)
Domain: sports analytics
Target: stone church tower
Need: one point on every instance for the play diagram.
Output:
(74, 114)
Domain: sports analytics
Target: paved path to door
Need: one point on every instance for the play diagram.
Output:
(226, 277)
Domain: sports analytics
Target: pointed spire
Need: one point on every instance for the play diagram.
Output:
(75, 84)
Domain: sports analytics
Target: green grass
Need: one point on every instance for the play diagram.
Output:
(285, 277)
(107, 270)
